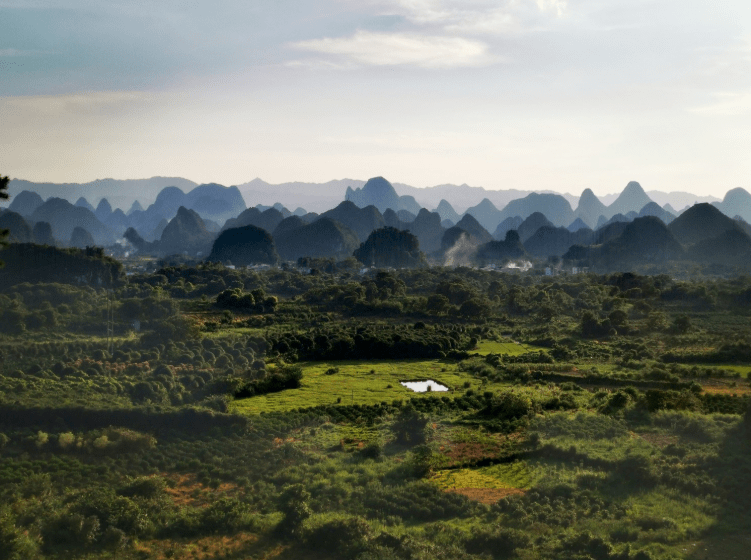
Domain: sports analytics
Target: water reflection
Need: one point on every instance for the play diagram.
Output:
(424, 386)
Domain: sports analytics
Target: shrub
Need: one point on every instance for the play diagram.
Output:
(343, 538)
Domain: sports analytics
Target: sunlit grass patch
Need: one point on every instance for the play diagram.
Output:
(669, 515)
(201, 548)
(354, 382)
(741, 369)
(516, 475)
(345, 437)
(506, 346)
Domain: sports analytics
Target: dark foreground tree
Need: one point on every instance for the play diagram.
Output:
(3, 196)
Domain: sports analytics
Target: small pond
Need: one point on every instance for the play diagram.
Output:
(424, 386)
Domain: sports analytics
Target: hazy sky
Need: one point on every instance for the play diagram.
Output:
(529, 94)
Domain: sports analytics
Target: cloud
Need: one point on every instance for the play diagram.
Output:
(477, 16)
(556, 6)
(366, 48)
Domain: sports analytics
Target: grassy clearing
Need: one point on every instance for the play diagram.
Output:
(742, 370)
(507, 347)
(358, 383)
(516, 475)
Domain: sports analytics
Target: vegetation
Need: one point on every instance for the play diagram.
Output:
(211, 412)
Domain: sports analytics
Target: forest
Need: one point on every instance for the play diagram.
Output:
(205, 411)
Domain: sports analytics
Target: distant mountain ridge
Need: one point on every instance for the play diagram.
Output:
(120, 192)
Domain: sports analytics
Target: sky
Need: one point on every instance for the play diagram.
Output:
(556, 95)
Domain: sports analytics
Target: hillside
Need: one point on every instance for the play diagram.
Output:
(428, 229)
(486, 214)
(531, 224)
(699, 223)
(19, 230)
(632, 199)
(244, 246)
(554, 206)
(499, 252)
(324, 238)
(644, 241)
(590, 208)
(550, 241)
(731, 248)
(25, 203)
(380, 193)
(64, 218)
(473, 227)
(186, 233)
(361, 220)
(507, 225)
(390, 247)
(267, 219)
(120, 193)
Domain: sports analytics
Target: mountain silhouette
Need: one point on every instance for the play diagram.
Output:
(603, 222)
(25, 203)
(609, 232)
(590, 208)
(20, 231)
(103, 211)
(577, 225)
(501, 251)
(362, 220)
(654, 209)
(42, 233)
(737, 202)
(731, 248)
(632, 199)
(244, 246)
(550, 241)
(453, 235)
(554, 206)
(390, 247)
(428, 229)
(142, 246)
(267, 220)
(380, 193)
(185, 233)
(507, 225)
(288, 224)
(701, 222)
(64, 217)
(533, 222)
(83, 203)
(135, 207)
(81, 238)
(447, 211)
(215, 202)
(469, 224)
(486, 214)
(644, 241)
(391, 219)
(406, 216)
(325, 238)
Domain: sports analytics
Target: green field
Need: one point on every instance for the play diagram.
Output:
(516, 475)
(507, 347)
(358, 383)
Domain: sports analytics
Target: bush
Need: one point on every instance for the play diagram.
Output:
(509, 406)
(499, 543)
(343, 538)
